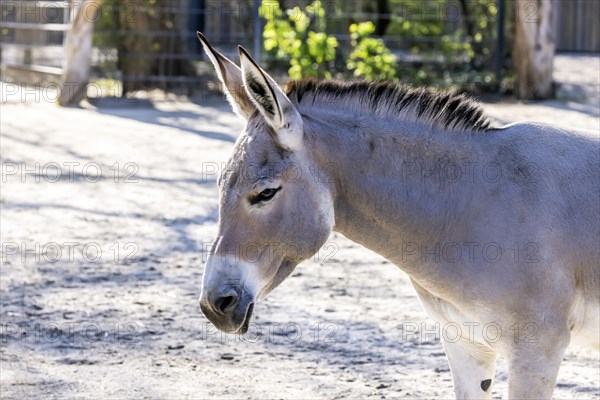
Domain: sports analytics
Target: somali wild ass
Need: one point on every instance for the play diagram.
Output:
(384, 166)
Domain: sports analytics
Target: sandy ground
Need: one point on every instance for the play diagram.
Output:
(106, 213)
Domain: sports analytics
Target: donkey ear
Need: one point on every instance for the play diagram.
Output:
(231, 76)
(270, 100)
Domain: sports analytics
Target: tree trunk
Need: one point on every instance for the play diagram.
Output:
(136, 42)
(534, 46)
(78, 53)
(383, 18)
(468, 18)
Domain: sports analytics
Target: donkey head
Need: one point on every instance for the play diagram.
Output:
(274, 210)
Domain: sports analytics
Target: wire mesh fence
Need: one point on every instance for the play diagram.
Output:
(146, 44)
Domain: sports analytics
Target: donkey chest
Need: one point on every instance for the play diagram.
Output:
(465, 324)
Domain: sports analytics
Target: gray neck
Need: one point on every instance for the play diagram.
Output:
(396, 184)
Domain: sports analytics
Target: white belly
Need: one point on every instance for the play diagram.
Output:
(585, 324)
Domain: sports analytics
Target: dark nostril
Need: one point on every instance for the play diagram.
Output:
(225, 304)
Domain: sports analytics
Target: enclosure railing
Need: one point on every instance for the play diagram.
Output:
(32, 38)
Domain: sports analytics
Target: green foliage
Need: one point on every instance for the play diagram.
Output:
(297, 36)
(448, 49)
(370, 58)
(288, 36)
(423, 30)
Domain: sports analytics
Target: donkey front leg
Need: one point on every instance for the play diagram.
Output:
(473, 367)
(533, 367)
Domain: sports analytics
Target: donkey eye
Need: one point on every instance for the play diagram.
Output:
(265, 195)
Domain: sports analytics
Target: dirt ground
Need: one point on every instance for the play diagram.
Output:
(106, 215)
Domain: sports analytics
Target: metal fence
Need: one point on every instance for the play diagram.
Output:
(170, 46)
(132, 35)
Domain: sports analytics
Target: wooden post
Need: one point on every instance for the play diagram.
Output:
(78, 53)
(534, 46)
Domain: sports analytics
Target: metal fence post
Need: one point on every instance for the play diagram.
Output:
(500, 43)
(257, 36)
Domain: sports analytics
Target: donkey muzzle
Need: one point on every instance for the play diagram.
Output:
(229, 309)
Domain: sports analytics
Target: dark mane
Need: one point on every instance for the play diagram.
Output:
(448, 110)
